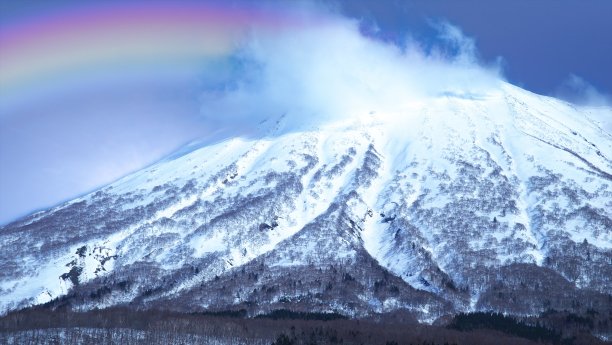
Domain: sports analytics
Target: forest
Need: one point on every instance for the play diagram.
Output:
(122, 325)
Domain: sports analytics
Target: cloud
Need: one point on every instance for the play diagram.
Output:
(331, 71)
(462, 48)
(579, 91)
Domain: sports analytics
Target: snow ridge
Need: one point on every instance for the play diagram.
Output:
(419, 211)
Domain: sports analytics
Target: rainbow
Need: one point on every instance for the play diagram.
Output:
(63, 46)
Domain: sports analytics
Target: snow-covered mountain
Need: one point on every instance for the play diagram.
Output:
(497, 201)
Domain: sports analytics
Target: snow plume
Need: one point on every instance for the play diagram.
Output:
(579, 91)
(314, 73)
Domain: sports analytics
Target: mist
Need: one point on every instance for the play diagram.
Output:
(332, 71)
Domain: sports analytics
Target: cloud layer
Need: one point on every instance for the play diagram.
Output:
(331, 71)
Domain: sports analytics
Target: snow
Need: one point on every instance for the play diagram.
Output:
(523, 134)
(212, 244)
(42, 287)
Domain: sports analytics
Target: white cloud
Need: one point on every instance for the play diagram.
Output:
(331, 71)
(463, 49)
(577, 90)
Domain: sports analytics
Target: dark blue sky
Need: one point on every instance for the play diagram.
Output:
(542, 42)
(55, 149)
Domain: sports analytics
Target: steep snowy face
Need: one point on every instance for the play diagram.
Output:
(441, 208)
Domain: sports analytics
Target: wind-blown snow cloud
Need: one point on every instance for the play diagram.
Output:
(332, 71)
(579, 91)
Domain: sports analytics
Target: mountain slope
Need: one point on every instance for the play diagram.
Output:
(463, 202)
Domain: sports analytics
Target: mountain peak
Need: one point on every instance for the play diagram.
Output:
(425, 208)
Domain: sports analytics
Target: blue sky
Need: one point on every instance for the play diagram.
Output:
(542, 43)
(56, 148)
